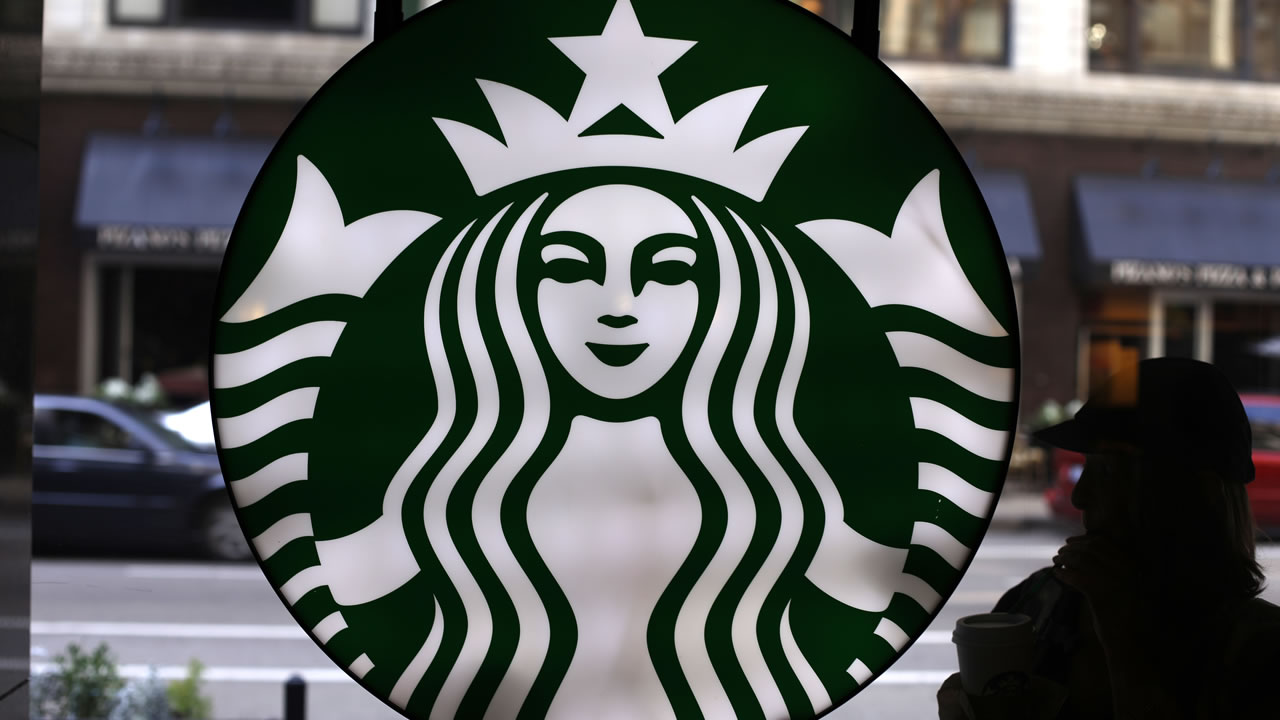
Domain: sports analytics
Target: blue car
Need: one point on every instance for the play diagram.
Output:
(111, 475)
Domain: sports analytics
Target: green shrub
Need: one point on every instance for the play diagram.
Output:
(145, 699)
(82, 685)
(185, 700)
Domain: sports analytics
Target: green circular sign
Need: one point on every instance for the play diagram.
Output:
(614, 358)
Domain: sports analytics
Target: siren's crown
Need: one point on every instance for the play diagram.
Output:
(622, 67)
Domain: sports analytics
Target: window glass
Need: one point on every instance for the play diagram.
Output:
(70, 428)
(320, 15)
(1246, 345)
(1266, 40)
(946, 30)
(1115, 335)
(981, 30)
(258, 12)
(1197, 37)
(836, 12)
(969, 30)
(1265, 423)
(1109, 34)
(924, 30)
(158, 429)
(1188, 34)
(1180, 330)
(337, 14)
(139, 11)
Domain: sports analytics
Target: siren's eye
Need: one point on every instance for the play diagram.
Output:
(570, 257)
(665, 259)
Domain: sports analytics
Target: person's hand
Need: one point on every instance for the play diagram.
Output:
(1104, 572)
(1039, 699)
(953, 702)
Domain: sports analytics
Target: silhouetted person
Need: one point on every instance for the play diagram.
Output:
(1154, 611)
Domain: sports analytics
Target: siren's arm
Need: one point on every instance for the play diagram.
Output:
(317, 254)
(917, 267)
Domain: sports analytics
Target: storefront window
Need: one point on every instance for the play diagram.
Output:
(171, 311)
(1108, 34)
(1184, 37)
(1246, 344)
(318, 15)
(943, 30)
(1265, 423)
(1265, 40)
(1115, 336)
(274, 12)
(1180, 330)
(1108, 356)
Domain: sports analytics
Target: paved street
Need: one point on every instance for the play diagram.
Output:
(166, 612)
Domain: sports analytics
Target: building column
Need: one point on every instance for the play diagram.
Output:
(90, 340)
(1155, 326)
(124, 320)
(1222, 48)
(1204, 330)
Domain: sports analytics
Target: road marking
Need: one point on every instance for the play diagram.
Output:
(1046, 552)
(193, 572)
(220, 674)
(330, 676)
(256, 632)
(1017, 552)
(170, 630)
(985, 598)
(932, 678)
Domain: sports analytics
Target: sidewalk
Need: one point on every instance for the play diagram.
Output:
(1021, 507)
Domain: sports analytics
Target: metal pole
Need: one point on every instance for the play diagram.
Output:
(866, 27)
(387, 16)
(295, 698)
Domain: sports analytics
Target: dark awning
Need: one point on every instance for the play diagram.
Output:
(1180, 233)
(1010, 204)
(165, 194)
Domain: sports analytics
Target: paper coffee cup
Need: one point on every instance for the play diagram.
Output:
(995, 651)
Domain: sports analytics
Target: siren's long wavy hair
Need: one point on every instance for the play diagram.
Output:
(509, 632)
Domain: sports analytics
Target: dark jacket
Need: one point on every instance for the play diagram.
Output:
(1234, 679)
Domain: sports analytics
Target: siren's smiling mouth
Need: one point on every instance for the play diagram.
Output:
(617, 355)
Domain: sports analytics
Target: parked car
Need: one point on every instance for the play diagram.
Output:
(195, 425)
(106, 474)
(1264, 491)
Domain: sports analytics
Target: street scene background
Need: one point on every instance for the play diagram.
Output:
(162, 612)
(1129, 151)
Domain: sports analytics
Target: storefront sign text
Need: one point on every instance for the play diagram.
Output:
(135, 239)
(1217, 276)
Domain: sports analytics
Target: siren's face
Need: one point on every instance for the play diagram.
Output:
(617, 299)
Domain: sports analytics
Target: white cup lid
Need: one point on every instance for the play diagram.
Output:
(993, 629)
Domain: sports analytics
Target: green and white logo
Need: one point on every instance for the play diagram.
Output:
(614, 359)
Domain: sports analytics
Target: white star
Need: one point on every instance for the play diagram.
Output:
(622, 67)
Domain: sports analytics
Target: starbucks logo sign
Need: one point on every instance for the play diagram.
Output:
(614, 358)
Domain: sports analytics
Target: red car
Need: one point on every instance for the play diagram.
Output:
(1264, 491)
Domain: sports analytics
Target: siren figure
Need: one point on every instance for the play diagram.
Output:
(617, 521)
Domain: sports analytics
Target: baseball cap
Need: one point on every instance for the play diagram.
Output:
(1182, 409)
